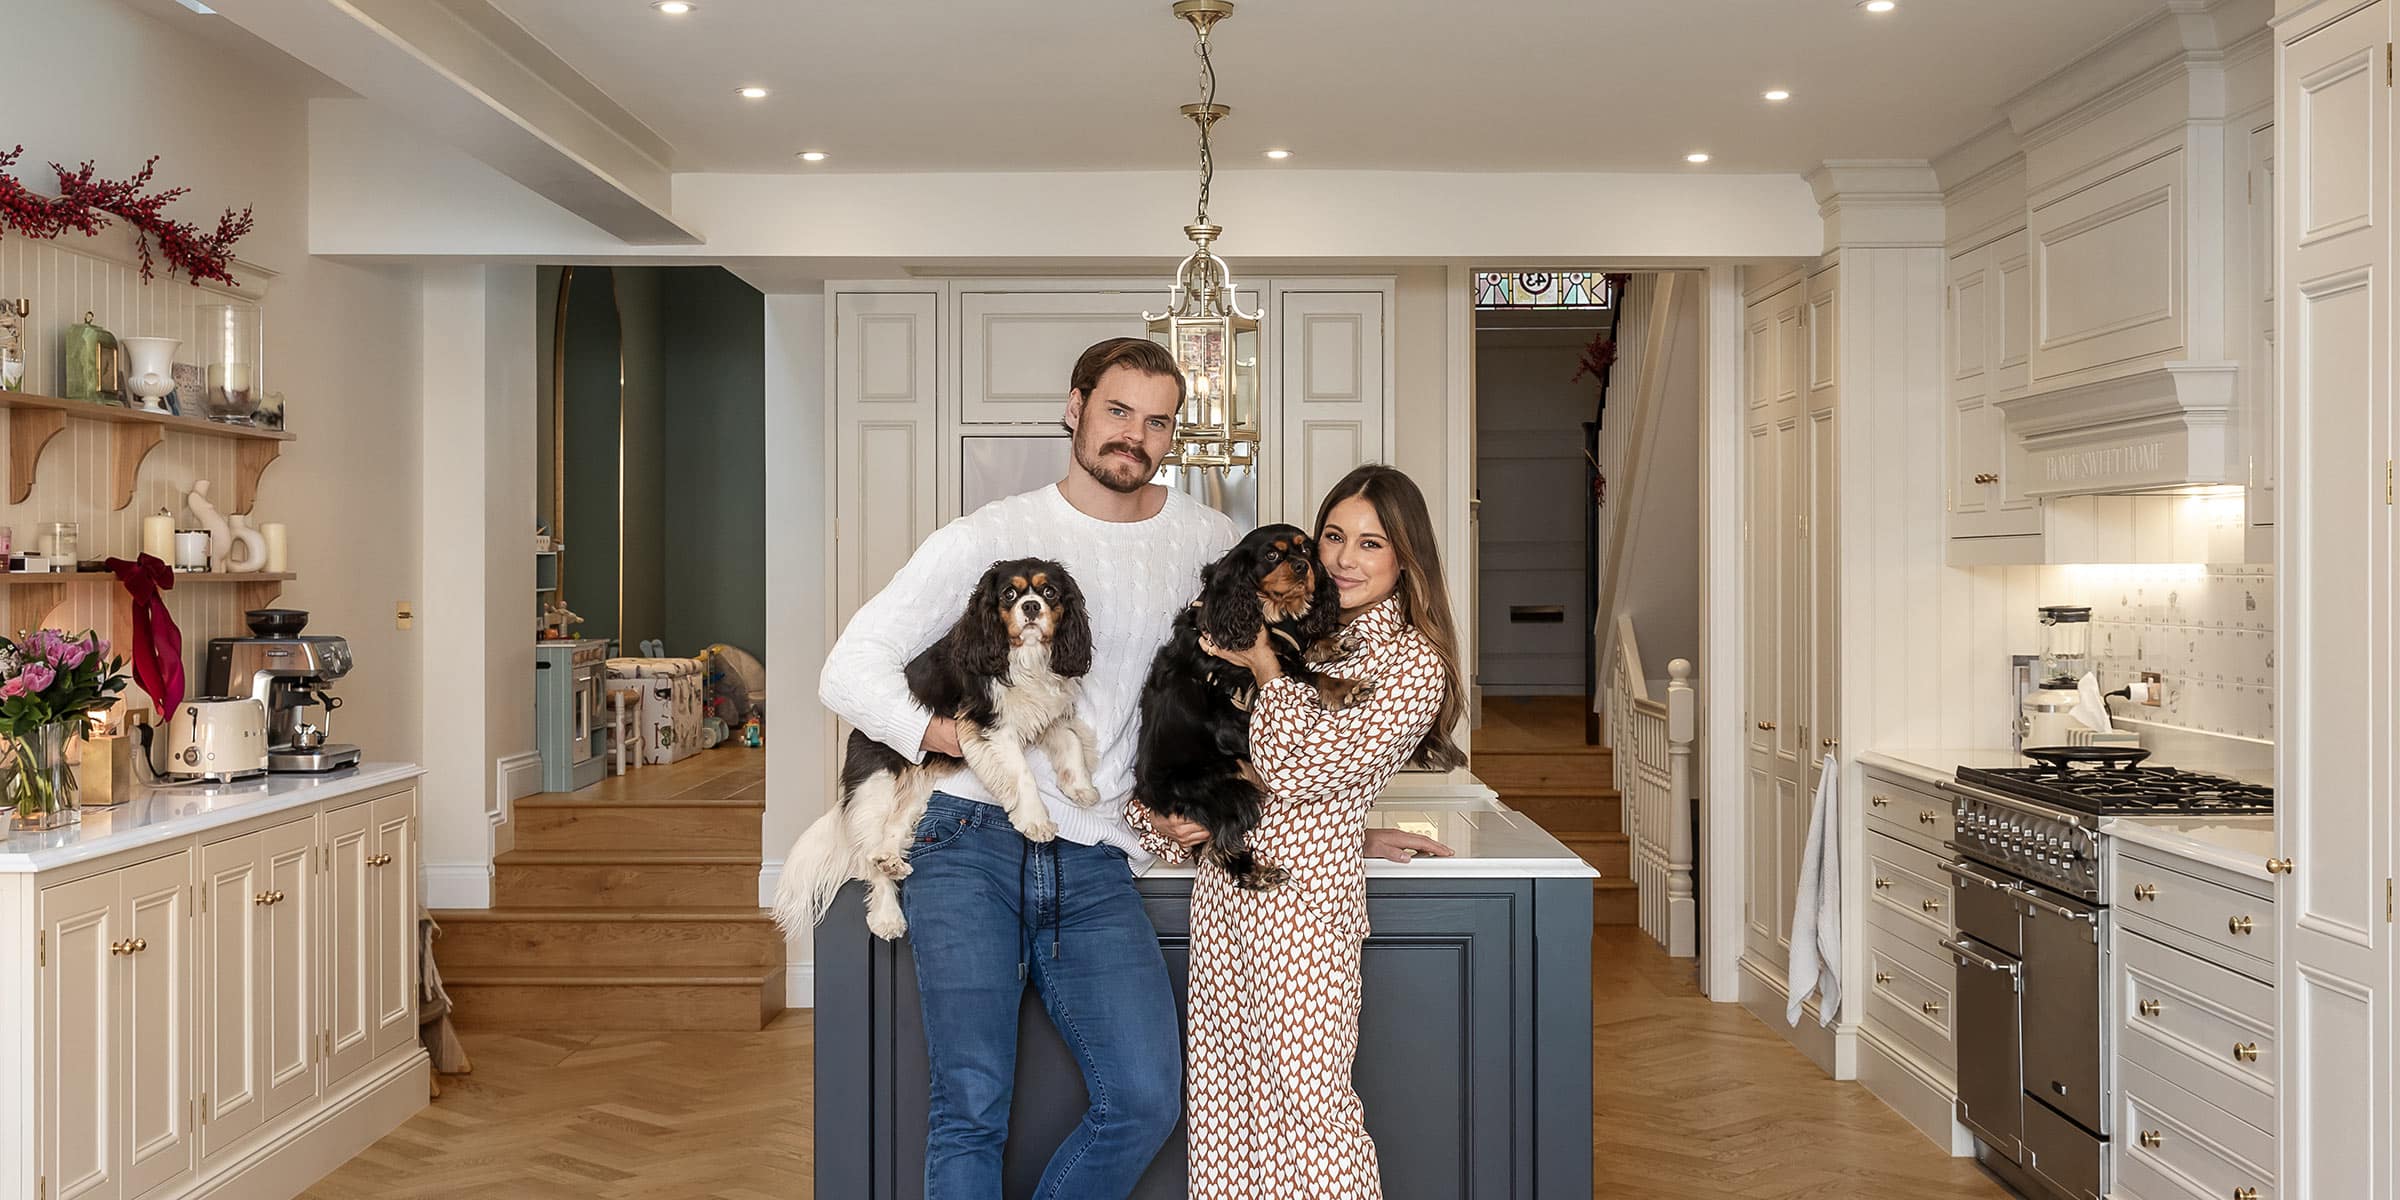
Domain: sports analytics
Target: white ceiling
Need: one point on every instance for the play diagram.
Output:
(1506, 85)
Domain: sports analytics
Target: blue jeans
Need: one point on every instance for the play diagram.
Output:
(985, 910)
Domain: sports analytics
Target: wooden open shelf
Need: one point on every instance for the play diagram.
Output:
(33, 420)
(28, 598)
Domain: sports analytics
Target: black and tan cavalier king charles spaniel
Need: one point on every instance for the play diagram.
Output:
(1008, 671)
(1196, 707)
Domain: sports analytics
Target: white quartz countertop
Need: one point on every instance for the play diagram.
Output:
(1939, 765)
(163, 814)
(2239, 844)
(1492, 843)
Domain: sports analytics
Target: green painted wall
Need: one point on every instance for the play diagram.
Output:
(715, 433)
(639, 296)
(592, 358)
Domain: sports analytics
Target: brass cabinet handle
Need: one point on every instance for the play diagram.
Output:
(1880, 801)
(1933, 906)
(2151, 1138)
(380, 860)
(2245, 1194)
(1883, 885)
(1883, 976)
(1830, 743)
(137, 945)
(119, 948)
(1766, 724)
(1929, 817)
(262, 898)
(2150, 1008)
(2245, 1052)
(1987, 477)
(2280, 866)
(2239, 924)
(2145, 891)
(1933, 1008)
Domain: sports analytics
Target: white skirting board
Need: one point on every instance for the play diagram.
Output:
(1914, 1090)
(1835, 1050)
(456, 885)
(799, 955)
(520, 776)
(288, 1163)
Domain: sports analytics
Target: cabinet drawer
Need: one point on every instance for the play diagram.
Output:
(2200, 1153)
(1910, 995)
(2205, 1029)
(1908, 811)
(1905, 880)
(2239, 925)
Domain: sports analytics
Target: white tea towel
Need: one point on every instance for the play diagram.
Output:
(1817, 911)
(2091, 708)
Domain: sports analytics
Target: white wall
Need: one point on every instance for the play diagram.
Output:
(1659, 586)
(800, 732)
(341, 337)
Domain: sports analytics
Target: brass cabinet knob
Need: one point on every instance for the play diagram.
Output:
(2150, 1008)
(261, 899)
(1766, 724)
(1933, 906)
(1883, 976)
(119, 948)
(2245, 1052)
(2239, 924)
(1987, 477)
(137, 945)
(1933, 1008)
(1830, 743)
(2245, 1194)
(2145, 891)
(2280, 866)
(2151, 1138)
(1880, 801)
(380, 860)
(1883, 885)
(1929, 817)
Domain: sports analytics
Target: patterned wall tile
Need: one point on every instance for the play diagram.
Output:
(2209, 631)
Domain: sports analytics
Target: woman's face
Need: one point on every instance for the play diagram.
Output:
(1353, 550)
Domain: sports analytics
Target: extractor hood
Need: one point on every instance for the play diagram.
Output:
(2171, 426)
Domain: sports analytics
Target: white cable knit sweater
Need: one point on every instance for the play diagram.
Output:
(1135, 576)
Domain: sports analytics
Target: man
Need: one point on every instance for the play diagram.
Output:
(990, 910)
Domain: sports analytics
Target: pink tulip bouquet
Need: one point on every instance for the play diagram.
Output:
(50, 684)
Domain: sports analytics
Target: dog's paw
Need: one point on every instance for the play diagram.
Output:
(1037, 827)
(1082, 793)
(891, 864)
(1339, 694)
(1264, 876)
(890, 926)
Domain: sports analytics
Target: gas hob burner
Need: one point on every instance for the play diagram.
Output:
(2125, 791)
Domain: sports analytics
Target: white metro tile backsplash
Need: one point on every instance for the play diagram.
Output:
(2209, 631)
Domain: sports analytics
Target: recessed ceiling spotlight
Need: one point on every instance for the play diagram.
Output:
(1778, 95)
(1879, 6)
(1279, 155)
(753, 93)
(812, 156)
(198, 7)
(673, 8)
(1695, 158)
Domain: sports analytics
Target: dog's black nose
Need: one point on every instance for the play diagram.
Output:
(1030, 607)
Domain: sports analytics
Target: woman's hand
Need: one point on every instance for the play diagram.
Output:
(1399, 845)
(1257, 656)
(1186, 834)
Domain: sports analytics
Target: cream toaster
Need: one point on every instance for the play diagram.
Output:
(217, 739)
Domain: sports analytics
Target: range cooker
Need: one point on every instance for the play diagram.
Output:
(2029, 885)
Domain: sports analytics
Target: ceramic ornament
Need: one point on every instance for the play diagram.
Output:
(249, 546)
(220, 535)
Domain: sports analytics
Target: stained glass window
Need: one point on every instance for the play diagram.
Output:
(1544, 289)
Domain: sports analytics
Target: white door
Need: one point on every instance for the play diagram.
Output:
(2335, 753)
(287, 976)
(1776, 361)
(1974, 423)
(349, 941)
(83, 936)
(233, 889)
(2260, 371)
(1824, 662)
(156, 1047)
(390, 880)
(886, 380)
(1334, 399)
(2010, 333)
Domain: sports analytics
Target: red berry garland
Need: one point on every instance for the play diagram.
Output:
(85, 202)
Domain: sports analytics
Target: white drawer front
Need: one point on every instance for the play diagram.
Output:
(2208, 1030)
(1910, 995)
(1909, 811)
(2172, 1146)
(2240, 925)
(1906, 880)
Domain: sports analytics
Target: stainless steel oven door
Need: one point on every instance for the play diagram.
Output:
(2065, 967)
(1991, 1092)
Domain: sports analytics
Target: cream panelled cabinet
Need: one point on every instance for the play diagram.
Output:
(2334, 785)
(1333, 410)
(1790, 390)
(1986, 311)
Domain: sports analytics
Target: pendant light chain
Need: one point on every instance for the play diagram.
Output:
(1208, 96)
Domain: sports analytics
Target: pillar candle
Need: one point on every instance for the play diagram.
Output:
(158, 537)
(278, 549)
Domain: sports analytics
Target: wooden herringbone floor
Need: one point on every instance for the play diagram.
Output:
(1691, 1100)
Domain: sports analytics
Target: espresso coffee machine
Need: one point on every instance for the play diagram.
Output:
(290, 675)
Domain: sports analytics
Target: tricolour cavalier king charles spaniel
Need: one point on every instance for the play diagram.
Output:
(1008, 672)
(1192, 761)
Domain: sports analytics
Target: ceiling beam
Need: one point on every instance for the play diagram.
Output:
(466, 74)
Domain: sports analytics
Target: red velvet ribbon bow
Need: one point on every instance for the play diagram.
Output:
(157, 648)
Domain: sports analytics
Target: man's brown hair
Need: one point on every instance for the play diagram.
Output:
(1141, 354)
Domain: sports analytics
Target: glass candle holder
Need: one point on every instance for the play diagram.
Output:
(230, 349)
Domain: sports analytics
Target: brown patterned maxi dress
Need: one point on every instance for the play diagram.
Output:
(1274, 974)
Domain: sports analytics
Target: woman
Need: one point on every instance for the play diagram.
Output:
(1274, 974)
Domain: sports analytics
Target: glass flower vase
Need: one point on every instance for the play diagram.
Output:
(41, 787)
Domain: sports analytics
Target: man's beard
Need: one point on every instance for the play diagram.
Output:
(1114, 473)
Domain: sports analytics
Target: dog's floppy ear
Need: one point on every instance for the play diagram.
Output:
(1071, 642)
(1230, 612)
(982, 631)
(1324, 617)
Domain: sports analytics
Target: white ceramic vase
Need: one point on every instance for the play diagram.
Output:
(150, 369)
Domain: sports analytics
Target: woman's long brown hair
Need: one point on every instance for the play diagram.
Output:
(1424, 599)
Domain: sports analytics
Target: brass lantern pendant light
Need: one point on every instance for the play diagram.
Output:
(1218, 426)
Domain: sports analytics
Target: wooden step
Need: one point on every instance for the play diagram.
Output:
(1611, 854)
(547, 937)
(593, 999)
(1616, 902)
(1561, 815)
(727, 828)
(623, 879)
(1578, 768)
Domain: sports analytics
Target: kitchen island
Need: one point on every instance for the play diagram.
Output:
(1475, 1050)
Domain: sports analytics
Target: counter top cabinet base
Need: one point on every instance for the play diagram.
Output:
(1474, 1057)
